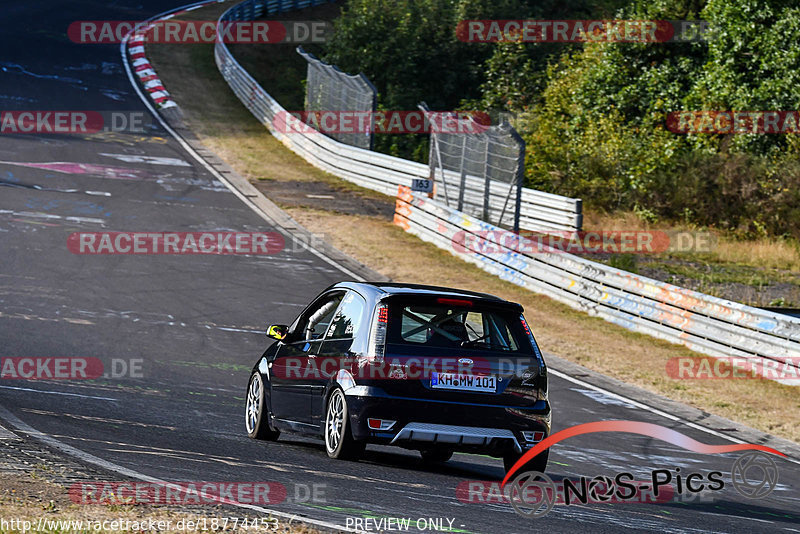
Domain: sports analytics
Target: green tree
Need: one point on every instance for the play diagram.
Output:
(752, 64)
(597, 131)
(410, 51)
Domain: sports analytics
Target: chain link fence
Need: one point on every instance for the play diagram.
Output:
(478, 173)
(330, 89)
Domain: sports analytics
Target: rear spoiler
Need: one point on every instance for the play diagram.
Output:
(455, 299)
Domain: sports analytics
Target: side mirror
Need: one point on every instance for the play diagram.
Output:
(277, 331)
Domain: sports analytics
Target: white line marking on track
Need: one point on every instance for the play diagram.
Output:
(7, 434)
(40, 215)
(152, 160)
(224, 329)
(59, 393)
(655, 411)
(602, 398)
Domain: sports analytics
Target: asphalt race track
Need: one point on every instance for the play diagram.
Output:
(196, 323)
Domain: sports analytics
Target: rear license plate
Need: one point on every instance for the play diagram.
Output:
(483, 383)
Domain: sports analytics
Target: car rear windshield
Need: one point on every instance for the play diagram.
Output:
(457, 326)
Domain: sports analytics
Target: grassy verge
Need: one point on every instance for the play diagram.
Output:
(224, 125)
(759, 272)
(31, 498)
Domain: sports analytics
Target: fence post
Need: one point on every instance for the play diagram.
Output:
(463, 174)
(487, 183)
(520, 179)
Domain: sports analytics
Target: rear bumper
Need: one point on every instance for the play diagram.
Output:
(424, 423)
(453, 435)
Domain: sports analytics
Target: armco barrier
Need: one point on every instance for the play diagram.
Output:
(700, 322)
(551, 212)
(539, 211)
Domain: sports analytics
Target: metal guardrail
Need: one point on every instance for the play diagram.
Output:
(551, 212)
(706, 324)
(539, 211)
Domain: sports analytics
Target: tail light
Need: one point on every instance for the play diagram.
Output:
(460, 303)
(532, 437)
(377, 336)
(380, 424)
(532, 340)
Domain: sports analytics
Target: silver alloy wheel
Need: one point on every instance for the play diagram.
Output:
(252, 411)
(334, 421)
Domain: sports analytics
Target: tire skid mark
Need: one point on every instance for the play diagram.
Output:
(129, 316)
(98, 419)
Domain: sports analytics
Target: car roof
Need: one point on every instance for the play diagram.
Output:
(391, 288)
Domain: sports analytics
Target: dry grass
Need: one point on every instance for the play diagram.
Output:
(599, 345)
(626, 220)
(766, 253)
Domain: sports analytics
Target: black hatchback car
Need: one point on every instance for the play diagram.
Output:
(427, 368)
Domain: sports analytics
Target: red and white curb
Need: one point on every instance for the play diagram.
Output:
(141, 65)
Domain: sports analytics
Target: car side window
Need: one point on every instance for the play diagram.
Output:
(346, 322)
(318, 319)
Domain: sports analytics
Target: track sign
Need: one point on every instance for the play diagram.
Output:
(424, 186)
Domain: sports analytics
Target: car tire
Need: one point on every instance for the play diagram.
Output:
(538, 463)
(339, 442)
(436, 456)
(255, 413)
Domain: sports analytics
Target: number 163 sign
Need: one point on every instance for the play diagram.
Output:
(422, 185)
